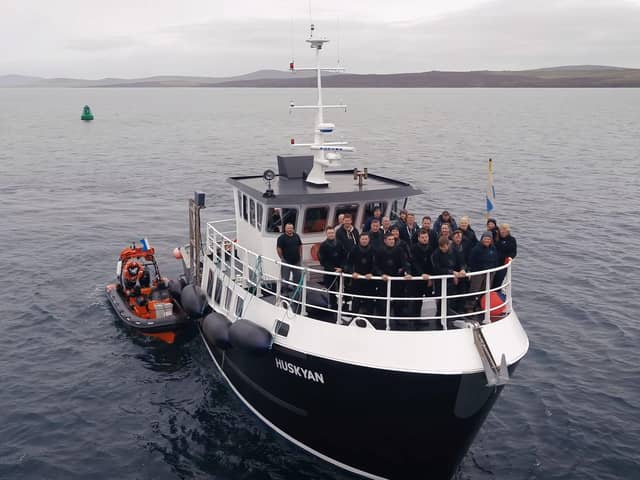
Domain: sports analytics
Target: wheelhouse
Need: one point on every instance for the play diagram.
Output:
(263, 207)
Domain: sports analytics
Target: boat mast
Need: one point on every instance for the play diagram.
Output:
(325, 154)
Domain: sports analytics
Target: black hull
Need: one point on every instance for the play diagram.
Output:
(168, 324)
(377, 423)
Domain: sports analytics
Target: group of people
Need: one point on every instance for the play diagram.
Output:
(404, 249)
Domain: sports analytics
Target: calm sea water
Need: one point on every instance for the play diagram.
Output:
(82, 397)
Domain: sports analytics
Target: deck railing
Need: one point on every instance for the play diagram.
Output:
(260, 275)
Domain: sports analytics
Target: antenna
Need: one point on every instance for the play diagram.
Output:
(325, 154)
(292, 46)
(338, 42)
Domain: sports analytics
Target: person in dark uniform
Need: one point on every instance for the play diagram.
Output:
(289, 248)
(445, 231)
(469, 238)
(445, 263)
(400, 243)
(361, 263)
(421, 266)
(484, 256)
(492, 226)
(332, 257)
(385, 226)
(348, 235)
(445, 217)
(377, 215)
(426, 225)
(376, 237)
(410, 229)
(459, 249)
(401, 221)
(391, 261)
(507, 247)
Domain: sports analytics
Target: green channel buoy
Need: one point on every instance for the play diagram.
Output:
(86, 113)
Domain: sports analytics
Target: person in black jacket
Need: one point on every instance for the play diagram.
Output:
(361, 263)
(492, 226)
(332, 257)
(289, 249)
(348, 235)
(433, 236)
(410, 229)
(507, 247)
(444, 217)
(391, 261)
(469, 238)
(461, 251)
(377, 215)
(376, 237)
(400, 243)
(445, 262)
(421, 266)
(483, 257)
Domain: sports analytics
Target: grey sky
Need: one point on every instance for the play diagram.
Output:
(134, 38)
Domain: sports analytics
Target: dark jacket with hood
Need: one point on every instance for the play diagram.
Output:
(332, 255)
(421, 259)
(348, 240)
(506, 247)
(439, 221)
(361, 260)
(483, 258)
(391, 261)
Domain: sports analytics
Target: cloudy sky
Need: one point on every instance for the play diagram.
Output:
(135, 38)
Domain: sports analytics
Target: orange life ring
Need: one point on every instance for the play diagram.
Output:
(133, 265)
(314, 251)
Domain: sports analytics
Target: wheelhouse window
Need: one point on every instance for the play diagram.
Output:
(351, 208)
(278, 217)
(239, 307)
(210, 283)
(396, 206)
(245, 207)
(371, 206)
(227, 298)
(315, 219)
(252, 212)
(218, 292)
(259, 212)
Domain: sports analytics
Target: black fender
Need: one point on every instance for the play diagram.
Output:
(246, 335)
(215, 329)
(194, 301)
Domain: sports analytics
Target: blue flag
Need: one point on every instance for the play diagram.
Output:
(491, 192)
(145, 244)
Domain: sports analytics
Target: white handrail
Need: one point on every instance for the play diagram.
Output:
(218, 242)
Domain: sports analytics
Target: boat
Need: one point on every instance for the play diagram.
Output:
(143, 299)
(87, 115)
(353, 389)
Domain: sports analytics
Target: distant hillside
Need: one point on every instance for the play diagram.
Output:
(541, 78)
(555, 77)
(156, 81)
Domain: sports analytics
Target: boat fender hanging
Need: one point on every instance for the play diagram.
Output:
(215, 329)
(246, 335)
(193, 300)
(175, 288)
(497, 305)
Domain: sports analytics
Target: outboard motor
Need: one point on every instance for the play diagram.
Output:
(194, 301)
(249, 336)
(215, 329)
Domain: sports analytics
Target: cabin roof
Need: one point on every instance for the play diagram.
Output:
(342, 188)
